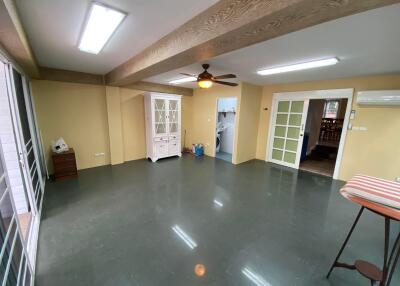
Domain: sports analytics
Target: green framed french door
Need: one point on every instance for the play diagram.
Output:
(286, 139)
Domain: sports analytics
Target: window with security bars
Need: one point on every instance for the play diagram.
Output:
(14, 268)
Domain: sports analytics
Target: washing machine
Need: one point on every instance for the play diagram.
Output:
(218, 142)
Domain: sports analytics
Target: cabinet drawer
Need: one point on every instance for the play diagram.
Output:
(161, 149)
(173, 137)
(173, 147)
(64, 158)
(65, 166)
(161, 139)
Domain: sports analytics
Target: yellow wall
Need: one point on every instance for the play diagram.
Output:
(187, 120)
(204, 116)
(133, 124)
(374, 152)
(113, 99)
(96, 119)
(247, 122)
(76, 112)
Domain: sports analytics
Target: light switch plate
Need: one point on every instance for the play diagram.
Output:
(352, 114)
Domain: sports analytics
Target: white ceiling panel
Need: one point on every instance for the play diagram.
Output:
(54, 27)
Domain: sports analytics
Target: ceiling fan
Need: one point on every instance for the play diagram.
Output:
(206, 80)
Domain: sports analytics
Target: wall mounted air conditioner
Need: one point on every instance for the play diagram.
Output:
(378, 97)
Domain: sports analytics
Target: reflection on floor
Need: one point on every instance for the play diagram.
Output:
(141, 223)
(322, 159)
(224, 156)
(319, 165)
(24, 221)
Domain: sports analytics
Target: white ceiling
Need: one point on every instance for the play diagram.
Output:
(54, 26)
(366, 43)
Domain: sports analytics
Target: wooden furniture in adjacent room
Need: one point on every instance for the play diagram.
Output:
(163, 125)
(64, 165)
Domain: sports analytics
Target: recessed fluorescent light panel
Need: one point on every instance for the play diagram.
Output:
(298, 67)
(101, 23)
(183, 80)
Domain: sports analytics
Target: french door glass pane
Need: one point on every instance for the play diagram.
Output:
(297, 106)
(283, 106)
(279, 143)
(287, 131)
(281, 119)
(277, 154)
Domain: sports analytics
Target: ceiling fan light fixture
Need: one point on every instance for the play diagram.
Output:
(205, 83)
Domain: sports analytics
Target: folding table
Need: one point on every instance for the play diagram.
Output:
(383, 198)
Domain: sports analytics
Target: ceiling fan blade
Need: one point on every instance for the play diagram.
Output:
(224, 76)
(187, 74)
(225, 83)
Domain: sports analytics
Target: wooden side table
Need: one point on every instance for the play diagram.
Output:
(64, 165)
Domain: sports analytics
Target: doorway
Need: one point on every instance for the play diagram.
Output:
(323, 130)
(307, 129)
(225, 128)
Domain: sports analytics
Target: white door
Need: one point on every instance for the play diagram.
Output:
(286, 139)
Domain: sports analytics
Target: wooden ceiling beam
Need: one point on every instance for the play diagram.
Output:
(230, 25)
(13, 39)
(70, 76)
(163, 88)
(87, 78)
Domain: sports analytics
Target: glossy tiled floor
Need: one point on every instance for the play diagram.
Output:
(148, 224)
(224, 156)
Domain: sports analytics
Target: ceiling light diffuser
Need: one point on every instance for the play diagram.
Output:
(183, 80)
(302, 66)
(101, 23)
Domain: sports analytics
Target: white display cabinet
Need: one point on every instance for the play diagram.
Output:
(163, 125)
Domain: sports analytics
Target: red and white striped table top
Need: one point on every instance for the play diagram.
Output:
(379, 195)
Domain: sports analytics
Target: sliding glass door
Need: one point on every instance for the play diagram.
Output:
(289, 117)
(27, 142)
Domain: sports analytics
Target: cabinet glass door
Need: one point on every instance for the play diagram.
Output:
(173, 116)
(288, 128)
(160, 116)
